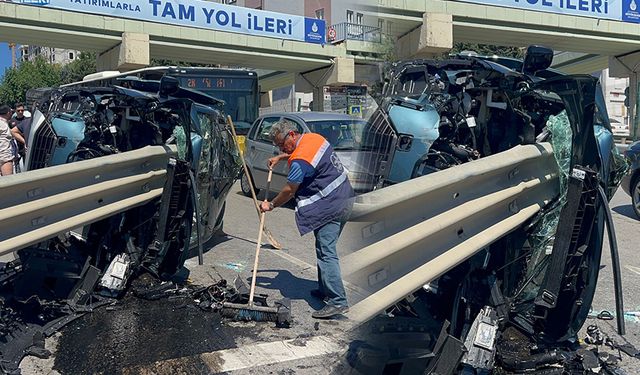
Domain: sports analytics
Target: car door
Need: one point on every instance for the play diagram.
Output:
(259, 149)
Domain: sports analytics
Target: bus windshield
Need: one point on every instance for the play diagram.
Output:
(240, 94)
(238, 88)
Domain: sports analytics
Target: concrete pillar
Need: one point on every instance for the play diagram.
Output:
(131, 53)
(342, 72)
(628, 66)
(434, 37)
(318, 99)
(266, 99)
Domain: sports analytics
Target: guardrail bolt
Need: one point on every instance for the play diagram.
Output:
(146, 188)
(513, 207)
(513, 173)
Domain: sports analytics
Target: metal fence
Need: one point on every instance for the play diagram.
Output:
(351, 31)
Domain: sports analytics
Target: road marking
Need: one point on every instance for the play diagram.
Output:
(633, 269)
(302, 264)
(250, 356)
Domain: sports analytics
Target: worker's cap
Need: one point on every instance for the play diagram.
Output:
(4, 109)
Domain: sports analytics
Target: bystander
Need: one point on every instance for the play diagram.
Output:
(6, 139)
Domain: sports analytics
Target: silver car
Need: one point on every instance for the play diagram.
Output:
(342, 131)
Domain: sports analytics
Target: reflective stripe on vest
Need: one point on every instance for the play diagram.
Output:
(324, 192)
(310, 148)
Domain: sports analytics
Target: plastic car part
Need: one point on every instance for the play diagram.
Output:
(480, 342)
(115, 277)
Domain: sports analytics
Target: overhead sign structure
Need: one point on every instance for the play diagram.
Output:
(619, 10)
(199, 14)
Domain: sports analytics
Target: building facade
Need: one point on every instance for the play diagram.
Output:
(52, 55)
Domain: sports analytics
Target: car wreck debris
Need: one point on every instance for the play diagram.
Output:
(516, 305)
(59, 279)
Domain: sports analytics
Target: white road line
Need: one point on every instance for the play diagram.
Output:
(249, 356)
(633, 269)
(302, 264)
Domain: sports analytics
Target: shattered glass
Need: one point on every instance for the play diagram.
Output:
(541, 238)
(181, 142)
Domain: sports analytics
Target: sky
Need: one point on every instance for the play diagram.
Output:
(5, 58)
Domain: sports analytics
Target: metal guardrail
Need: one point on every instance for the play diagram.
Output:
(623, 139)
(43, 203)
(351, 31)
(415, 231)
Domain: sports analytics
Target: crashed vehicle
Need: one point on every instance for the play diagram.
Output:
(56, 281)
(516, 306)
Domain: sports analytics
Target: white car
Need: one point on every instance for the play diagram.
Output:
(342, 131)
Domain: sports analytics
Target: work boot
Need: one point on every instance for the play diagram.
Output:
(330, 311)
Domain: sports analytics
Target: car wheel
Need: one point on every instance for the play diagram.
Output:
(635, 196)
(244, 185)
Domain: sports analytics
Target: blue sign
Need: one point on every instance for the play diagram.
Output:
(199, 14)
(618, 10)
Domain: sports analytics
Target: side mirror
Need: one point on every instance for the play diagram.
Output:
(537, 58)
(168, 86)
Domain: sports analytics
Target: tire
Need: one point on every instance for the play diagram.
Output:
(244, 185)
(635, 196)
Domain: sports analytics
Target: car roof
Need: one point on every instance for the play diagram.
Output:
(313, 116)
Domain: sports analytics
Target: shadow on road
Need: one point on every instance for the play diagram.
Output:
(626, 210)
(210, 244)
(290, 286)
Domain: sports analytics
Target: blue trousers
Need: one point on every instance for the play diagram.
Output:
(329, 277)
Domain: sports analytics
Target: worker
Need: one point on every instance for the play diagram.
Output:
(324, 198)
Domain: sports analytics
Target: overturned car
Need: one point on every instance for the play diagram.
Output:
(482, 251)
(57, 279)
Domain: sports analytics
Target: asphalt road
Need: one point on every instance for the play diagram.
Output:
(309, 346)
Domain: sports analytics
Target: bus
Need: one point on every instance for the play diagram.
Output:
(238, 88)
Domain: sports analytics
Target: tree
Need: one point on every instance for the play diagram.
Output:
(28, 75)
(76, 70)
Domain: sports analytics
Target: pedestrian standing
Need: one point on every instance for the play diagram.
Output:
(6, 139)
(319, 183)
(21, 128)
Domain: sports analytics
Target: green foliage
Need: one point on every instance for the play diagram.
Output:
(28, 75)
(76, 70)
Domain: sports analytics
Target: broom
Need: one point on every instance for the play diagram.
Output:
(272, 240)
(281, 313)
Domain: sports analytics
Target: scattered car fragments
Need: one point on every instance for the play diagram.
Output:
(57, 280)
(515, 306)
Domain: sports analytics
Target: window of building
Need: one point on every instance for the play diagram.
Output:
(359, 17)
(320, 13)
(349, 16)
(381, 24)
(71, 56)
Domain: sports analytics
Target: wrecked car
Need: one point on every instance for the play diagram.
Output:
(517, 304)
(57, 280)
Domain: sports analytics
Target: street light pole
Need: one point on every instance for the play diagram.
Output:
(12, 47)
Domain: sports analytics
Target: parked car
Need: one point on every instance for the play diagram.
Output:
(342, 131)
(631, 181)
